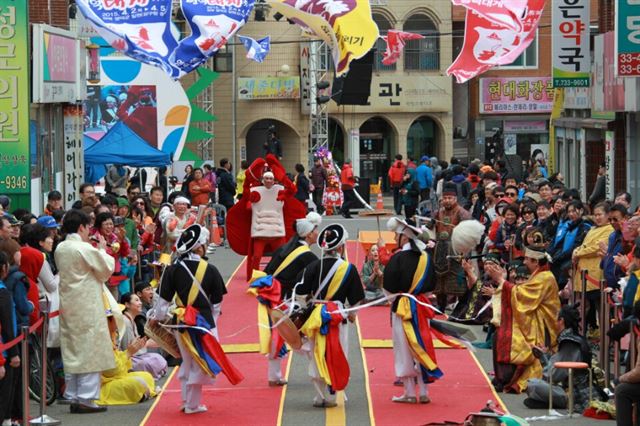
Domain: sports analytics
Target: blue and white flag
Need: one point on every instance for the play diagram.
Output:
(212, 23)
(256, 50)
(140, 29)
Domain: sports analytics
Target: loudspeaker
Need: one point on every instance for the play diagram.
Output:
(355, 87)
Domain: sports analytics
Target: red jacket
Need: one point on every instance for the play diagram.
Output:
(201, 195)
(474, 180)
(396, 173)
(346, 177)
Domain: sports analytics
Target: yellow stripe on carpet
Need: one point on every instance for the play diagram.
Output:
(241, 348)
(159, 397)
(388, 344)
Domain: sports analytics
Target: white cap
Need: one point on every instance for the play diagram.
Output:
(304, 227)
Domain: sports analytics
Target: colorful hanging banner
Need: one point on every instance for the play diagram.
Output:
(395, 45)
(213, 24)
(345, 25)
(627, 38)
(489, 41)
(257, 50)
(141, 29)
(15, 174)
(570, 29)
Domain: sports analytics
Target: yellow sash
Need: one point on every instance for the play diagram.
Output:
(193, 291)
(421, 269)
(336, 281)
(290, 258)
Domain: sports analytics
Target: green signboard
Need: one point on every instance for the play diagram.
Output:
(15, 177)
(628, 38)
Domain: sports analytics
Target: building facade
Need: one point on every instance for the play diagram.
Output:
(409, 110)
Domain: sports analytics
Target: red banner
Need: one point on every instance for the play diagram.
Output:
(490, 37)
(395, 45)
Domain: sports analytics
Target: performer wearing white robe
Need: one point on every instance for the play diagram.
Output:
(84, 332)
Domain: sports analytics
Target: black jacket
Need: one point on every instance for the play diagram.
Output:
(226, 187)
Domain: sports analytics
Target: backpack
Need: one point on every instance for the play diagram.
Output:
(396, 175)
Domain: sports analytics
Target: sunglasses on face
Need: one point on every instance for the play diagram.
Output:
(511, 194)
(500, 195)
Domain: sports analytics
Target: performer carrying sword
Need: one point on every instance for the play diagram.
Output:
(198, 289)
(333, 282)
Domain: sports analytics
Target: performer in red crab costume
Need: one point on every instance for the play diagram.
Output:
(263, 220)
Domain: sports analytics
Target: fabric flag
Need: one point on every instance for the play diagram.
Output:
(140, 29)
(256, 50)
(491, 40)
(345, 25)
(501, 12)
(212, 25)
(395, 45)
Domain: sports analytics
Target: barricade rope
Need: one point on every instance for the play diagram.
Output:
(32, 329)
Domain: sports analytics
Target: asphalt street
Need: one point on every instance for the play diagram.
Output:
(297, 404)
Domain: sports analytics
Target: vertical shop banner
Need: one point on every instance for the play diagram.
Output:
(73, 153)
(609, 158)
(305, 79)
(570, 29)
(627, 48)
(15, 175)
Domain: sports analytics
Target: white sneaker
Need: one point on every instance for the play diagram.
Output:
(200, 409)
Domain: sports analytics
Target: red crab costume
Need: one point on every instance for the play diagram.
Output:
(263, 220)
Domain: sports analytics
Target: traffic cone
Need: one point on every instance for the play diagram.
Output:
(215, 230)
(379, 202)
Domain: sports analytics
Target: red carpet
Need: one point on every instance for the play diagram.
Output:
(239, 320)
(462, 390)
(227, 404)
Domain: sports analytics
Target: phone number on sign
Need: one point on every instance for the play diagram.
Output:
(628, 64)
(14, 182)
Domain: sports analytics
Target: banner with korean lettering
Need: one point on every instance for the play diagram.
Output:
(15, 175)
(496, 33)
(571, 56)
(345, 25)
(73, 153)
(531, 95)
(140, 29)
(269, 88)
(627, 38)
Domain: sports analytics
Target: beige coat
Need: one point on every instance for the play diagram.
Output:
(588, 258)
(84, 333)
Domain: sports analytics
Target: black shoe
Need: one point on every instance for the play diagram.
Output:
(86, 409)
(346, 216)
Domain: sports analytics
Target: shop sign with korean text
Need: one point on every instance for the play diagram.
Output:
(59, 66)
(570, 29)
(528, 95)
(269, 88)
(73, 153)
(15, 175)
(627, 38)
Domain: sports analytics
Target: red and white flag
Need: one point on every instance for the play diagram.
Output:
(490, 38)
(395, 45)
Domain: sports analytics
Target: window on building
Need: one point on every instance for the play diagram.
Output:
(422, 54)
(223, 61)
(527, 59)
(384, 26)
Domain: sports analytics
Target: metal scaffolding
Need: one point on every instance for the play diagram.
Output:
(319, 115)
(205, 101)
